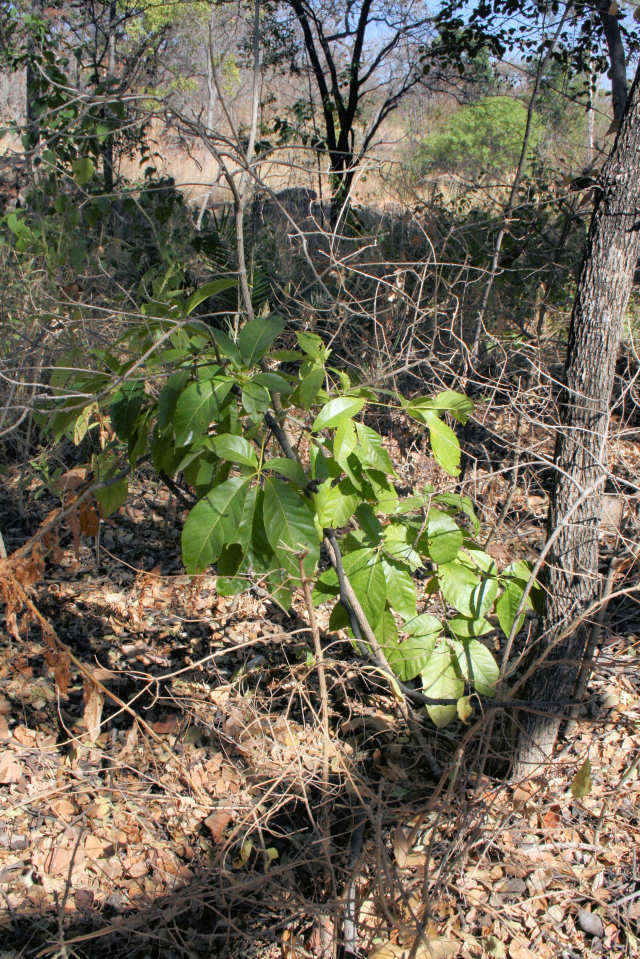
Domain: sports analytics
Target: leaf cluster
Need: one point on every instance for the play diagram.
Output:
(215, 410)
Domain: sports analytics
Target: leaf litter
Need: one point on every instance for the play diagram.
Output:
(191, 820)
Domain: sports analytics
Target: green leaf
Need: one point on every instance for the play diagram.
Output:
(441, 680)
(273, 382)
(339, 618)
(462, 503)
(465, 628)
(383, 491)
(226, 346)
(344, 442)
(398, 546)
(479, 668)
(126, 407)
(464, 708)
(111, 498)
(83, 170)
(257, 335)
(401, 590)
(336, 411)
(444, 444)
(422, 625)
(169, 396)
(81, 425)
(77, 257)
(507, 606)
(448, 401)
(289, 525)
(198, 405)
(369, 523)
(481, 560)
(207, 290)
(443, 537)
(581, 785)
(236, 449)
(458, 583)
(484, 595)
(312, 345)
(255, 399)
(200, 471)
(372, 453)
(213, 523)
(310, 383)
(410, 657)
(335, 505)
(366, 576)
(386, 631)
(289, 468)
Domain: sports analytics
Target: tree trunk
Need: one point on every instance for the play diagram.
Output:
(571, 577)
(32, 92)
(107, 149)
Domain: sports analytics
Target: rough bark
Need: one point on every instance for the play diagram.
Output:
(571, 577)
(611, 26)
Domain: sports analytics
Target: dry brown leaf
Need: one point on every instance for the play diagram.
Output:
(4, 728)
(98, 810)
(97, 848)
(217, 822)
(11, 770)
(552, 819)
(64, 808)
(93, 703)
(24, 735)
(165, 726)
(137, 868)
(83, 899)
(518, 949)
(401, 838)
(431, 949)
(522, 796)
(389, 950)
(60, 858)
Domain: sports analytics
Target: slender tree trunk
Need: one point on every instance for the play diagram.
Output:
(32, 90)
(572, 579)
(107, 152)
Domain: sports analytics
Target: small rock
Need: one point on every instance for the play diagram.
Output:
(590, 923)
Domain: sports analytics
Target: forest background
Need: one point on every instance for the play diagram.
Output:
(331, 304)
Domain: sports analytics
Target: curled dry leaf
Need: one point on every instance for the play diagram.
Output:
(11, 770)
(217, 822)
(93, 703)
(427, 949)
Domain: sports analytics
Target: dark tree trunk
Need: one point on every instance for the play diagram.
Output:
(572, 580)
(32, 92)
(107, 150)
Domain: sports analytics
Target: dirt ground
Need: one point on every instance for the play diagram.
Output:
(176, 793)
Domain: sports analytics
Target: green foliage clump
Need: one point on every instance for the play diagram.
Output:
(212, 409)
(482, 137)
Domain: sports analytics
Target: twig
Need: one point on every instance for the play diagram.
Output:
(324, 707)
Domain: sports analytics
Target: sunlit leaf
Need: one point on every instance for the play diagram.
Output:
(479, 668)
(336, 410)
(441, 680)
(256, 337)
(213, 523)
(289, 525)
(236, 449)
(581, 785)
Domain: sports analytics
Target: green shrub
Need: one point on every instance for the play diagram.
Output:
(483, 137)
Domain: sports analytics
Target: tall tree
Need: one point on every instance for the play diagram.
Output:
(572, 581)
(360, 52)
